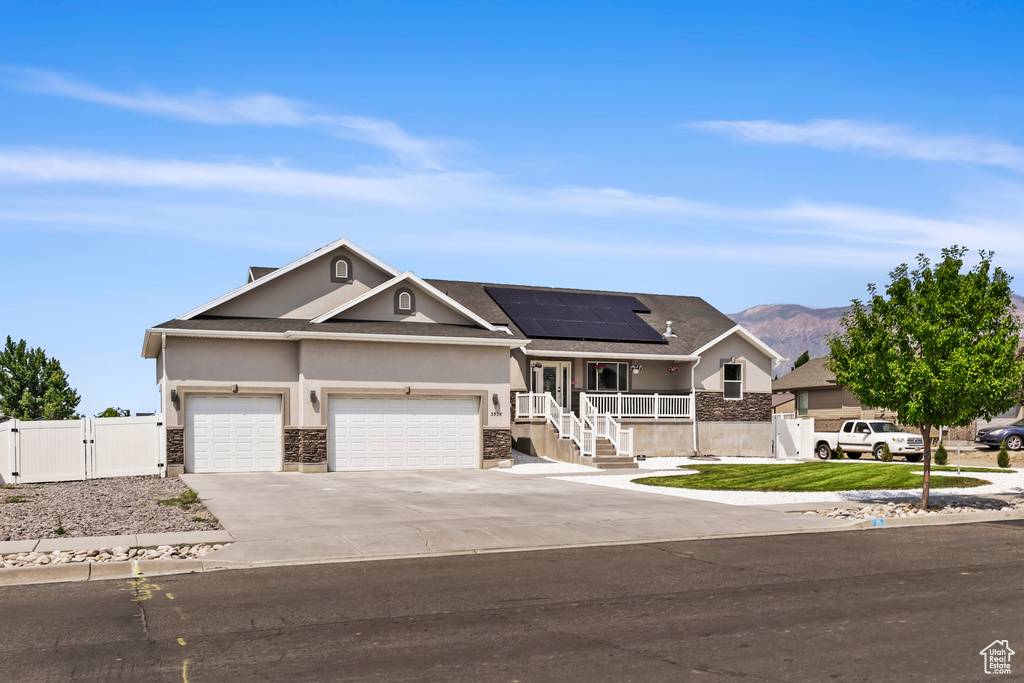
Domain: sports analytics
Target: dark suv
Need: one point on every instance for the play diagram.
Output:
(1012, 433)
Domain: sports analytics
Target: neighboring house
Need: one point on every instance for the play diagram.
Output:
(783, 403)
(338, 361)
(818, 395)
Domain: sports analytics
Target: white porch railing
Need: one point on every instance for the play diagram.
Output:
(568, 425)
(605, 425)
(641, 405)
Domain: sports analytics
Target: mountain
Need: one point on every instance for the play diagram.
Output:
(791, 329)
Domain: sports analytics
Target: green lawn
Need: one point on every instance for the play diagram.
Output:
(811, 476)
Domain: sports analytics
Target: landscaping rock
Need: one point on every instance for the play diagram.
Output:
(886, 510)
(165, 552)
(101, 507)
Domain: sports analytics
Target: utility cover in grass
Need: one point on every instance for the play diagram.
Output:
(811, 476)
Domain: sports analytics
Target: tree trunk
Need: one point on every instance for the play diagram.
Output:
(926, 434)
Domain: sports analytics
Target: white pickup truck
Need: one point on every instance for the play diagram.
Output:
(869, 436)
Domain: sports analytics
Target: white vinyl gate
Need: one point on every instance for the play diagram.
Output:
(74, 450)
(792, 437)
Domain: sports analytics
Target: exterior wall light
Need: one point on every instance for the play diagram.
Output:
(175, 400)
(312, 397)
(637, 368)
(494, 400)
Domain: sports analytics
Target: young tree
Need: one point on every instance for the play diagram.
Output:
(801, 359)
(115, 412)
(938, 348)
(34, 387)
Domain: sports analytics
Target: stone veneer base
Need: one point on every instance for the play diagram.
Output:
(312, 467)
(712, 406)
(497, 444)
(174, 471)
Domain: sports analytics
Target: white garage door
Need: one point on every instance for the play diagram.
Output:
(403, 433)
(232, 433)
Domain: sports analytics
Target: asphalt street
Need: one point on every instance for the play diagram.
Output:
(881, 604)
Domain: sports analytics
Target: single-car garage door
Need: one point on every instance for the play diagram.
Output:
(403, 433)
(232, 433)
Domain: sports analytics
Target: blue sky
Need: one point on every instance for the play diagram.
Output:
(744, 152)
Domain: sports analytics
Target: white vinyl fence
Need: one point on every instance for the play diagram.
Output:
(75, 450)
(792, 437)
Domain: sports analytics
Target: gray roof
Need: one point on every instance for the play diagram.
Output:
(345, 327)
(695, 322)
(811, 375)
(259, 271)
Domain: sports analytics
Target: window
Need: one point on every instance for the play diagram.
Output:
(341, 269)
(405, 302)
(862, 428)
(848, 428)
(732, 380)
(801, 402)
(607, 376)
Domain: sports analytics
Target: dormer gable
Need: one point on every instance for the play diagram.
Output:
(405, 298)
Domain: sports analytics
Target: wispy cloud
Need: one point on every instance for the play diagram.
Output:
(261, 109)
(449, 194)
(888, 140)
(420, 189)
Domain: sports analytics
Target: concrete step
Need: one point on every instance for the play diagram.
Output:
(616, 465)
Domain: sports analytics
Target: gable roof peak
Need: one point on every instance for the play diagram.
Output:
(297, 263)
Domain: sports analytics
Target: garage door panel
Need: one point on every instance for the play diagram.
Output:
(233, 433)
(403, 433)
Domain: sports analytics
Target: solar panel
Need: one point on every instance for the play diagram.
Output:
(566, 315)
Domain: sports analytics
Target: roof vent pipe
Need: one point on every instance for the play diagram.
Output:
(668, 329)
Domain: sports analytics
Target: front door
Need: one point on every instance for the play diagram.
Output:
(555, 378)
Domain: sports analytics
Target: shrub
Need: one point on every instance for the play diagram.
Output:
(838, 453)
(886, 452)
(1003, 460)
(940, 455)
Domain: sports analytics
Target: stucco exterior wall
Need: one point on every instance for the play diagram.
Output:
(662, 438)
(293, 369)
(757, 367)
(307, 291)
(381, 307)
(735, 438)
(335, 368)
(519, 378)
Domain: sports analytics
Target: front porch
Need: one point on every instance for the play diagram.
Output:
(607, 424)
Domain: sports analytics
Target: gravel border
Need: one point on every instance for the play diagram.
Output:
(99, 507)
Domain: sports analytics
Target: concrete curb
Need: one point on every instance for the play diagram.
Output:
(151, 568)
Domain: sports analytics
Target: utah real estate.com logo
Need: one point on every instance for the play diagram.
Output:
(997, 657)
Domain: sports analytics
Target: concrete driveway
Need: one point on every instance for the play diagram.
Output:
(289, 517)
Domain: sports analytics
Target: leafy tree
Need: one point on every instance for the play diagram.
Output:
(801, 359)
(115, 412)
(34, 387)
(938, 348)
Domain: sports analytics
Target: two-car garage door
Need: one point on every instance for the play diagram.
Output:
(402, 433)
(232, 433)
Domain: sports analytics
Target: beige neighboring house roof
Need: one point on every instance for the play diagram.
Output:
(811, 375)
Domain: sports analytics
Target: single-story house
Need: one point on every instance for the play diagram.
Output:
(818, 395)
(338, 361)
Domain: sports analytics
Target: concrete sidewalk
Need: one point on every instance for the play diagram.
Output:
(278, 517)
